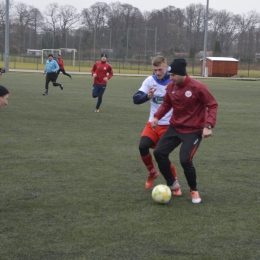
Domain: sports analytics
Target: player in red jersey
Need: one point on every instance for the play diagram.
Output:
(102, 72)
(194, 115)
(61, 65)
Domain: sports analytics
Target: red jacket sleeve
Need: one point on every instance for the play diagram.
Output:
(212, 107)
(111, 73)
(93, 69)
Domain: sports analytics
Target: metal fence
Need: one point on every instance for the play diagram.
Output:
(136, 64)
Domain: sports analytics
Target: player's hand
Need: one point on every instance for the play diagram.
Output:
(154, 123)
(206, 132)
(105, 78)
(94, 75)
(44, 73)
(151, 92)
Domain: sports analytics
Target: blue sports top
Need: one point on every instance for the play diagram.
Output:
(51, 66)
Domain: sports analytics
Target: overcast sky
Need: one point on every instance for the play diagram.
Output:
(234, 6)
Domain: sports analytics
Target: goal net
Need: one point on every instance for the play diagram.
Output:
(46, 52)
(34, 52)
(69, 55)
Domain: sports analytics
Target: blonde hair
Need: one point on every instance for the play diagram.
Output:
(158, 60)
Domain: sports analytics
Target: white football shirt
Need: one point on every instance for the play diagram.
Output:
(157, 99)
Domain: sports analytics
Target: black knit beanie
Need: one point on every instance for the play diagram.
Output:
(178, 67)
(3, 91)
(103, 55)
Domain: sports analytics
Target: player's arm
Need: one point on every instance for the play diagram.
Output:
(57, 67)
(212, 108)
(93, 71)
(45, 70)
(110, 73)
(140, 97)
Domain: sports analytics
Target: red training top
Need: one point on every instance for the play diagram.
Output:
(60, 62)
(193, 106)
(102, 69)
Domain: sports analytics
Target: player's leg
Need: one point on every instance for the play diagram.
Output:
(65, 73)
(95, 90)
(47, 81)
(168, 142)
(58, 72)
(176, 186)
(147, 159)
(148, 140)
(54, 83)
(190, 144)
(101, 91)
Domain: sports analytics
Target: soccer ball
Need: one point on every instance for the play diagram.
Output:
(161, 194)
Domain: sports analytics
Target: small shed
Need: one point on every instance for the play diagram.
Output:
(221, 66)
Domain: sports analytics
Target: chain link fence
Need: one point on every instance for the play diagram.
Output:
(136, 64)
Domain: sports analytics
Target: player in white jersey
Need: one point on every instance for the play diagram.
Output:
(153, 90)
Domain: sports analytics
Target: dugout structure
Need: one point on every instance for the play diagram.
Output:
(220, 66)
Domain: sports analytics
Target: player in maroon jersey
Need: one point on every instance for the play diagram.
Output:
(62, 69)
(194, 115)
(102, 72)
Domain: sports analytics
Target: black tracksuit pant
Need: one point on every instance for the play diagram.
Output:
(51, 77)
(189, 145)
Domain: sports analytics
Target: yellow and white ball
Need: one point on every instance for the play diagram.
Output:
(161, 194)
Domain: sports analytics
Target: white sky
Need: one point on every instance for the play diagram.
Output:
(234, 6)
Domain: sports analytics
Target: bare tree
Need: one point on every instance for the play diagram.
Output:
(36, 25)
(68, 19)
(2, 22)
(169, 23)
(129, 32)
(52, 20)
(22, 22)
(127, 25)
(223, 29)
(247, 26)
(94, 19)
(195, 19)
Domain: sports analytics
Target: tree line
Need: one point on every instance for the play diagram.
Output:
(129, 32)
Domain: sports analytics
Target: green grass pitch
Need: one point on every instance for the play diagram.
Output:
(72, 182)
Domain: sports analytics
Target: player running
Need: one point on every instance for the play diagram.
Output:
(51, 69)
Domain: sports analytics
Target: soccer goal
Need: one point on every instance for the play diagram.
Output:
(34, 52)
(69, 54)
(45, 53)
